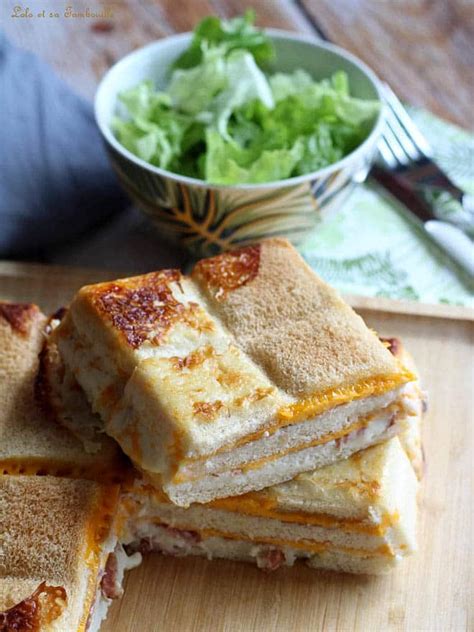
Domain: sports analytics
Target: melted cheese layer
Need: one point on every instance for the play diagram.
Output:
(263, 506)
(305, 545)
(252, 505)
(327, 400)
(181, 477)
(319, 402)
(99, 529)
(46, 467)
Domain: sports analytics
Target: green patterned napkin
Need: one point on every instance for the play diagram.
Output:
(373, 246)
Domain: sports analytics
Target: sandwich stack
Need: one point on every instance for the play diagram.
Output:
(264, 421)
(61, 562)
(238, 378)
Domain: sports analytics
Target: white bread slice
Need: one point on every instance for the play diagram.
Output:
(291, 323)
(30, 440)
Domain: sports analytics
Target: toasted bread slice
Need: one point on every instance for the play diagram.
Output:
(57, 540)
(30, 440)
(291, 323)
(215, 391)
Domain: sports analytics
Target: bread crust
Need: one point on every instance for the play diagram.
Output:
(63, 400)
(20, 316)
(294, 325)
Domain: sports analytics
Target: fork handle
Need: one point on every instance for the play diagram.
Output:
(425, 174)
(403, 190)
(449, 237)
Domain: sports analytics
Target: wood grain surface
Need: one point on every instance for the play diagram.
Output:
(19, 278)
(423, 48)
(432, 591)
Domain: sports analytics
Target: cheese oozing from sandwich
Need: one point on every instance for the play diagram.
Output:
(241, 376)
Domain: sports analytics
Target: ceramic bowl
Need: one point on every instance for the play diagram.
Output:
(210, 218)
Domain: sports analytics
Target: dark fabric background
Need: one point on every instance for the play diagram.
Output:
(55, 179)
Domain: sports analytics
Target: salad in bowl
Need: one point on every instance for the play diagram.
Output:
(265, 126)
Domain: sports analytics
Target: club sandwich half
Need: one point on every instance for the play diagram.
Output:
(356, 516)
(241, 376)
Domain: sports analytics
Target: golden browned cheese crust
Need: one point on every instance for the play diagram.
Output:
(291, 323)
(35, 612)
(140, 311)
(20, 316)
(231, 270)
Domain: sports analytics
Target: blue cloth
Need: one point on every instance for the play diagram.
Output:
(55, 178)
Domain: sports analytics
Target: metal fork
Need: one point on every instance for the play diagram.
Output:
(418, 182)
(402, 142)
(404, 149)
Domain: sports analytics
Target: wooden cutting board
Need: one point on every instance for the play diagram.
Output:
(430, 591)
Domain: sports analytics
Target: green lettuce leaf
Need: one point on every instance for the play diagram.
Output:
(223, 120)
(228, 163)
(284, 85)
(246, 82)
(192, 90)
(216, 87)
(237, 33)
(143, 99)
(153, 131)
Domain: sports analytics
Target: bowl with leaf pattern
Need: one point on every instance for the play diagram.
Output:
(209, 217)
